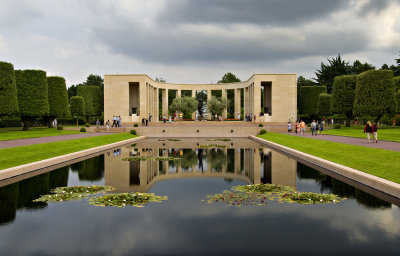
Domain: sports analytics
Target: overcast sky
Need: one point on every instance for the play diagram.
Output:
(195, 41)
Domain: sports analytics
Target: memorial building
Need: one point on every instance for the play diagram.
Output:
(135, 96)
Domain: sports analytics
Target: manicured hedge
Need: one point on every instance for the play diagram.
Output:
(32, 95)
(58, 96)
(77, 106)
(8, 90)
(92, 96)
(343, 96)
(397, 82)
(375, 93)
(324, 104)
(309, 96)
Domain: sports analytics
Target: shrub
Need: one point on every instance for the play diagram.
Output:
(87, 125)
(32, 94)
(133, 132)
(308, 102)
(60, 127)
(260, 125)
(77, 106)
(135, 125)
(398, 101)
(8, 89)
(58, 98)
(396, 81)
(92, 96)
(375, 94)
(337, 126)
(263, 131)
(83, 129)
(324, 104)
(343, 96)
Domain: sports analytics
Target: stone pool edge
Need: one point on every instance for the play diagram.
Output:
(386, 186)
(34, 166)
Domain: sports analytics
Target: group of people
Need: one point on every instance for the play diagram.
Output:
(300, 127)
(370, 129)
(116, 121)
(249, 117)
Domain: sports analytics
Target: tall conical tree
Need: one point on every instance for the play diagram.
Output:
(32, 95)
(58, 99)
(8, 90)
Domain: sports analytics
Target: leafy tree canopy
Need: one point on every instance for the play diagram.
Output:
(185, 105)
(216, 105)
(229, 78)
(327, 73)
(359, 67)
(8, 90)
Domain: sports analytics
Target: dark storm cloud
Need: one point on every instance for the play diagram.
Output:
(281, 12)
(375, 6)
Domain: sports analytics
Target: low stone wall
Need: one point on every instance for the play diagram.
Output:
(369, 180)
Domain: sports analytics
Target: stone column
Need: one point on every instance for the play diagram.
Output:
(165, 102)
(257, 100)
(178, 93)
(194, 96)
(256, 167)
(208, 99)
(224, 112)
(142, 100)
(157, 104)
(237, 161)
(237, 102)
(246, 101)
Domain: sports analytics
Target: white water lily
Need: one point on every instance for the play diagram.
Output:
(123, 204)
(124, 200)
(60, 200)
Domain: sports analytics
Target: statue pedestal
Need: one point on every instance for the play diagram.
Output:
(135, 118)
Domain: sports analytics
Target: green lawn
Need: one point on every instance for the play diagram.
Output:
(378, 162)
(384, 133)
(36, 132)
(10, 157)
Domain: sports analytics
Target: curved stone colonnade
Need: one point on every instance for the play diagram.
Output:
(134, 97)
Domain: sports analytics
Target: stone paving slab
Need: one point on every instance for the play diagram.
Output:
(31, 141)
(389, 145)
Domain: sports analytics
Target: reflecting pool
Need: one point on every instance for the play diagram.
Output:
(366, 223)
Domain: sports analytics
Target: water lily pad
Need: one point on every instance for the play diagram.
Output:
(310, 198)
(213, 146)
(126, 199)
(61, 194)
(235, 198)
(219, 140)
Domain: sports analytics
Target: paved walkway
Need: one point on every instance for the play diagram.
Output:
(31, 141)
(389, 145)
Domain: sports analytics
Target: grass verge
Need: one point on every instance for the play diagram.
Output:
(37, 132)
(384, 133)
(15, 156)
(378, 162)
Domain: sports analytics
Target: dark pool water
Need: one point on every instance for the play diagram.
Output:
(185, 224)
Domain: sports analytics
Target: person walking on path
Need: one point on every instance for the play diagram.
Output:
(108, 125)
(143, 121)
(98, 125)
(117, 121)
(375, 132)
(321, 126)
(368, 130)
(114, 121)
(332, 122)
(317, 128)
(149, 118)
(164, 119)
(289, 127)
(302, 127)
(313, 128)
(297, 128)
(147, 122)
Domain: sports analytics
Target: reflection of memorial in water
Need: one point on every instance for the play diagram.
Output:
(241, 160)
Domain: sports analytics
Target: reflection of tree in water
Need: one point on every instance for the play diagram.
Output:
(8, 203)
(230, 160)
(217, 158)
(59, 177)
(32, 189)
(91, 169)
(188, 158)
(340, 188)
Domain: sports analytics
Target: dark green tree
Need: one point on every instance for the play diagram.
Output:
(302, 81)
(58, 99)
(228, 78)
(375, 94)
(344, 88)
(95, 80)
(309, 96)
(77, 107)
(398, 102)
(8, 90)
(324, 104)
(73, 90)
(327, 73)
(32, 94)
(396, 81)
(358, 67)
(92, 96)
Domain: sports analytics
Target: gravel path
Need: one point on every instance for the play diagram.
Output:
(31, 141)
(389, 145)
